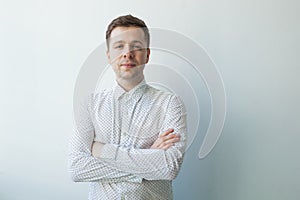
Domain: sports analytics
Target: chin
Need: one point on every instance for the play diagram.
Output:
(126, 76)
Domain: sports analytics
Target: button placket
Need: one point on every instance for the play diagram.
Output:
(125, 119)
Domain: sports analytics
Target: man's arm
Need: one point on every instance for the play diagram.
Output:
(82, 165)
(152, 164)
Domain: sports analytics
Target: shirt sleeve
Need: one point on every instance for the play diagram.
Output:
(83, 167)
(153, 164)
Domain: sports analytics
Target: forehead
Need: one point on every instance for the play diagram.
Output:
(127, 34)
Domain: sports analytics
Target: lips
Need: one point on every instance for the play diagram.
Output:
(128, 65)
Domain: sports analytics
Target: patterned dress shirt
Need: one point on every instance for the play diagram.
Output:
(128, 123)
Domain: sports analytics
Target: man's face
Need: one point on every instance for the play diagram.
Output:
(128, 52)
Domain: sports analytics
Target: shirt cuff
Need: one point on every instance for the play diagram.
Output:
(136, 180)
(109, 151)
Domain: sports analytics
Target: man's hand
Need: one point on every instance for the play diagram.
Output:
(166, 140)
(96, 149)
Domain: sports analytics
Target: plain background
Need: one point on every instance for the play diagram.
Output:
(255, 45)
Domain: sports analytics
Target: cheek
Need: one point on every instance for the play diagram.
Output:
(115, 69)
(114, 56)
(140, 56)
(144, 58)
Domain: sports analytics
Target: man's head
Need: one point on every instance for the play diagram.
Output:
(127, 21)
(127, 39)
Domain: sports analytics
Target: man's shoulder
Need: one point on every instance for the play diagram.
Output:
(165, 100)
(161, 94)
(151, 90)
(100, 95)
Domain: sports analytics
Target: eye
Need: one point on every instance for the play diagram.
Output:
(137, 47)
(120, 46)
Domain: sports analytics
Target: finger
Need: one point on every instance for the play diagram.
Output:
(170, 130)
(161, 141)
(168, 142)
(173, 140)
(162, 145)
(167, 146)
(170, 136)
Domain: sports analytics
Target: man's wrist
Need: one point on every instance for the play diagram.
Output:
(102, 150)
(97, 149)
(109, 151)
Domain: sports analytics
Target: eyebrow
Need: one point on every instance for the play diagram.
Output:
(122, 41)
(137, 41)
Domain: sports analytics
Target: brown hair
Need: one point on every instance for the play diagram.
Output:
(127, 21)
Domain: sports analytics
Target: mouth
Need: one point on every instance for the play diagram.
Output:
(128, 65)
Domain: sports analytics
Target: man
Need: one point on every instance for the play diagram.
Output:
(130, 140)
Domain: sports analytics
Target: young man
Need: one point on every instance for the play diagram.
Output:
(130, 140)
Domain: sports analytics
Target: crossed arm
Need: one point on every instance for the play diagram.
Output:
(164, 141)
(94, 161)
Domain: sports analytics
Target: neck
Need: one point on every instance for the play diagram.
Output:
(127, 85)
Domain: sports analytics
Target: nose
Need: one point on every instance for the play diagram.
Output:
(128, 53)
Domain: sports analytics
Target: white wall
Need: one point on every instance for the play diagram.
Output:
(255, 45)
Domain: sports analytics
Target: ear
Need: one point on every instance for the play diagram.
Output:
(108, 56)
(148, 55)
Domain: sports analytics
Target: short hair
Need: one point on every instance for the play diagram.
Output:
(127, 21)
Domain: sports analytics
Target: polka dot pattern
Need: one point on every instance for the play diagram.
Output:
(128, 123)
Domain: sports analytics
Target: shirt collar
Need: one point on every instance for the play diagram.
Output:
(134, 94)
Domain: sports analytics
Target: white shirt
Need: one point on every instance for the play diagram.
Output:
(128, 123)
